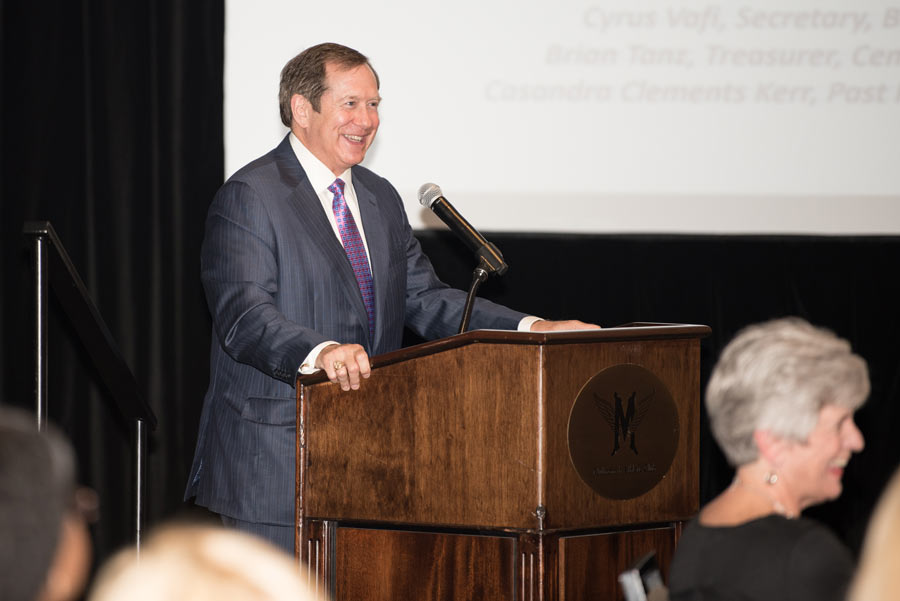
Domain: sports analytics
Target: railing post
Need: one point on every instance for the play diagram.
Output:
(140, 438)
(40, 332)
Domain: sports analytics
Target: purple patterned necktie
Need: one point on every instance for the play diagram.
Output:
(356, 251)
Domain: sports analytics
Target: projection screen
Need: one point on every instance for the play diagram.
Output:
(608, 116)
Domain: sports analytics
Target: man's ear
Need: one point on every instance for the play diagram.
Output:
(771, 446)
(300, 110)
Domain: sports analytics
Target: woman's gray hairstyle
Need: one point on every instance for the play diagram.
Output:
(777, 376)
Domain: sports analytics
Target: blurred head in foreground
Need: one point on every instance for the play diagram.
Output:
(45, 549)
(203, 563)
(878, 578)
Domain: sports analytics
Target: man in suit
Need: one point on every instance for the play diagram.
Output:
(308, 263)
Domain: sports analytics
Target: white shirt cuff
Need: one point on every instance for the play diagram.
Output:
(309, 364)
(526, 323)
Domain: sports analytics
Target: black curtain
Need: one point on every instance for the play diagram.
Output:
(112, 131)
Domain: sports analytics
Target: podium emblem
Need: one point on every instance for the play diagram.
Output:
(623, 431)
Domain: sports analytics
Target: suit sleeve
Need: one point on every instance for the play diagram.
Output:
(239, 270)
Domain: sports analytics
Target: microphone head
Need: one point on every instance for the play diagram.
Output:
(428, 193)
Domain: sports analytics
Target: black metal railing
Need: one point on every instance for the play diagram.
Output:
(54, 270)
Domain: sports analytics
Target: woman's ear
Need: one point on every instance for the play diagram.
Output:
(771, 447)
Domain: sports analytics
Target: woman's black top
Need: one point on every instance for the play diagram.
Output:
(768, 559)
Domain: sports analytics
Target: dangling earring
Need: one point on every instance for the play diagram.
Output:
(770, 478)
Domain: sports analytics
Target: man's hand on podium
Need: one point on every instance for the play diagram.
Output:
(557, 326)
(344, 364)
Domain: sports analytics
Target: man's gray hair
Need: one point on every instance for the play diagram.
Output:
(777, 376)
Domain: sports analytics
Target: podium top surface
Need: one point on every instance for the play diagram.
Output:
(630, 331)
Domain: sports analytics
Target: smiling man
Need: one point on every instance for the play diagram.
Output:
(308, 263)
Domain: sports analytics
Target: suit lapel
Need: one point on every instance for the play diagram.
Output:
(377, 240)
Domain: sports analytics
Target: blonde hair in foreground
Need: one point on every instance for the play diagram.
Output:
(877, 578)
(203, 563)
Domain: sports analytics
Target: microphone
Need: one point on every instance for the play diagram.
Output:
(430, 196)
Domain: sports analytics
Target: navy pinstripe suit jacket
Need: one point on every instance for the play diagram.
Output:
(277, 283)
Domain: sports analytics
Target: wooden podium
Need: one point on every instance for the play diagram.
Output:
(501, 465)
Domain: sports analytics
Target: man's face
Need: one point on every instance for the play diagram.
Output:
(342, 131)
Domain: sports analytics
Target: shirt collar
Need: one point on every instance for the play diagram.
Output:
(319, 175)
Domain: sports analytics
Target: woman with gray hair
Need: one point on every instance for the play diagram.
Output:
(780, 402)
